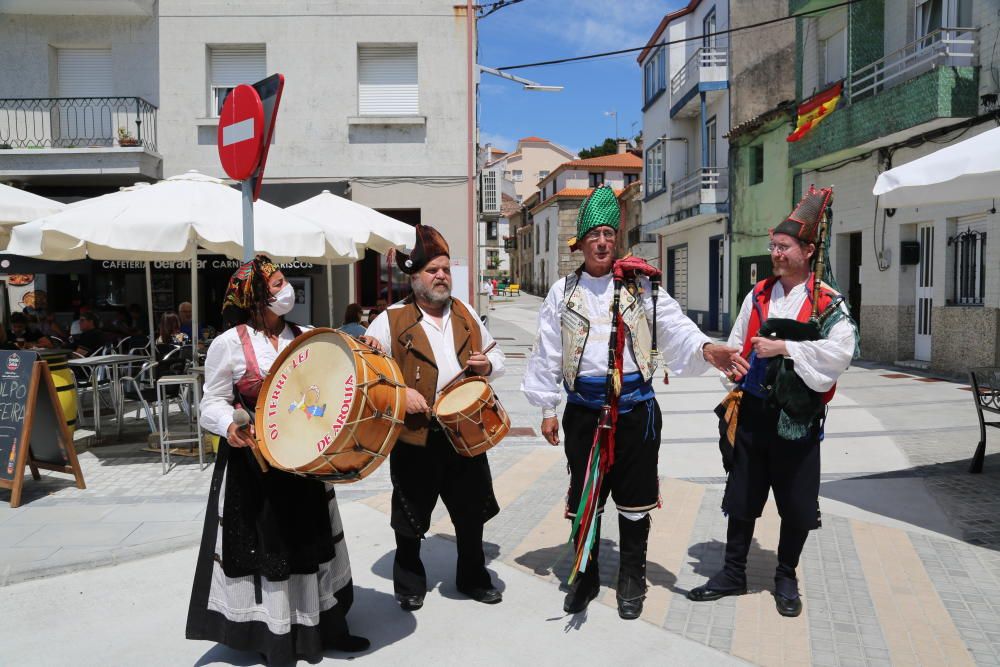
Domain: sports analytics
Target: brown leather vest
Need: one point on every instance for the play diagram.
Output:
(411, 350)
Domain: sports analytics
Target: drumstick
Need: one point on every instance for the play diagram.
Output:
(242, 420)
(466, 366)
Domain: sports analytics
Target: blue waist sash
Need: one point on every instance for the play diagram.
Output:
(590, 392)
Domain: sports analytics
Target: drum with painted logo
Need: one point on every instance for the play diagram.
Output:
(471, 415)
(331, 407)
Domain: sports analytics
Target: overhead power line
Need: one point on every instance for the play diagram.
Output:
(634, 49)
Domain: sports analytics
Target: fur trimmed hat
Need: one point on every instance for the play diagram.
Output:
(429, 244)
(803, 221)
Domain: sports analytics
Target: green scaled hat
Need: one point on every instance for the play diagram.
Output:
(600, 209)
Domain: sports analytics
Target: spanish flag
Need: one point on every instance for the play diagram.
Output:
(812, 111)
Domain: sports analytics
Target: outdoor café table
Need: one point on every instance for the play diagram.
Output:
(113, 362)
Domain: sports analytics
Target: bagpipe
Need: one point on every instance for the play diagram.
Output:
(774, 379)
(625, 274)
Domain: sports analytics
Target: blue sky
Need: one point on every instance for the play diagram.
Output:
(535, 30)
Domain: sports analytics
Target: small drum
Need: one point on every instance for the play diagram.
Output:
(331, 407)
(472, 416)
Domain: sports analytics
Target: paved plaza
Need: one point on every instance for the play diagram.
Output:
(904, 571)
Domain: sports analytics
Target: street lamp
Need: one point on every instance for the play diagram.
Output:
(528, 84)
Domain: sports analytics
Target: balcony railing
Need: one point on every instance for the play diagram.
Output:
(710, 178)
(944, 46)
(706, 56)
(77, 122)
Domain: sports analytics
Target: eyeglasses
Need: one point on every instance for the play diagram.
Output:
(597, 234)
(779, 248)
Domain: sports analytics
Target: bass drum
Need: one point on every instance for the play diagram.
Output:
(331, 407)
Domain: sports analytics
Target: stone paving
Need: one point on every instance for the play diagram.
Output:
(905, 570)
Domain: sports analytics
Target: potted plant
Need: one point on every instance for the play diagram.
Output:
(126, 139)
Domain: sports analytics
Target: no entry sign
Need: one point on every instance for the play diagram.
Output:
(241, 132)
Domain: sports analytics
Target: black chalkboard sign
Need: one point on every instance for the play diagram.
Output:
(33, 429)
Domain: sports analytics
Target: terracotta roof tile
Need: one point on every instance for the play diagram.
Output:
(570, 193)
(615, 161)
(531, 139)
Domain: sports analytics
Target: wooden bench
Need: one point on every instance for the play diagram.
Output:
(986, 393)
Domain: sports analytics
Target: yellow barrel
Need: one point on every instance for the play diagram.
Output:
(62, 377)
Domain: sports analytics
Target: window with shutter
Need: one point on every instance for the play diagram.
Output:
(231, 65)
(85, 76)
(387, 80)
(84, 73)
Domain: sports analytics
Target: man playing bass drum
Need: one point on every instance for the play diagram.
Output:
(796, 338)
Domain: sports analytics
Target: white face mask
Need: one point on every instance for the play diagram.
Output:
(283, 302)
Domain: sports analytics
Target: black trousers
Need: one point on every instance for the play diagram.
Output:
(763, 461)
(632, 481)
(420, 475)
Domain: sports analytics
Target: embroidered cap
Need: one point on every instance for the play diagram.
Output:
(599, 209)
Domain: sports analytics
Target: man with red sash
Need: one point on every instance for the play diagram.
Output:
(772, 421)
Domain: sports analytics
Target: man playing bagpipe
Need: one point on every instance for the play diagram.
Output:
(597, 336)
(797, 338)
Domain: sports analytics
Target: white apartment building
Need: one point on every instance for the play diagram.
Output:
(685, 119)
(519, 172)
(553, 209)
(377, 106)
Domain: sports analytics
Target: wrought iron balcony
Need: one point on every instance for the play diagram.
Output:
(945, 46)
(77, 122)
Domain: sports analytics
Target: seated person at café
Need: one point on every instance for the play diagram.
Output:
(74, 327)
(23, 335)
(170, 331)
(185, 311)
(352, 321)
(91, 337)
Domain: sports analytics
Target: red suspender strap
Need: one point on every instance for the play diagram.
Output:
(253, 370)
(758, 314)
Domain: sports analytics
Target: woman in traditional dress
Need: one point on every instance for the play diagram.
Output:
(273, 574)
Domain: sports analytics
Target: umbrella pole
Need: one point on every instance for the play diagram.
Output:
(149, 306)
(194, 305)
(329, 288)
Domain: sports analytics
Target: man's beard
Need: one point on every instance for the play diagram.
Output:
(427, 293)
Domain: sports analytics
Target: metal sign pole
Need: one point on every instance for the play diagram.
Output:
(248, 246)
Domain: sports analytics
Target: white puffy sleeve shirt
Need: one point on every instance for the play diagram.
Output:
(442, 341)
(679, 341)
(818, 362)
(225, 364)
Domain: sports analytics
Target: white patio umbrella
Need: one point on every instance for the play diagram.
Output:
(367, 227)
(965, 171)
(18, 206)
(169, 220)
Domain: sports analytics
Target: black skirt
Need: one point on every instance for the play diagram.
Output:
(290, 602)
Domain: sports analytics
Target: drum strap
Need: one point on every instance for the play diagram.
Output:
(249, 385)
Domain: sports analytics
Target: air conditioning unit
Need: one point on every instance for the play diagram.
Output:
(489, 192)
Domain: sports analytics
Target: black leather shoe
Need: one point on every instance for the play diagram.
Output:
(705, 594)
(629, 609)
(350, 644)
(410, 602)
(791, 607)
(579, 596)
(485, 595)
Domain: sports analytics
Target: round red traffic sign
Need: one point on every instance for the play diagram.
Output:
(241, 132)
